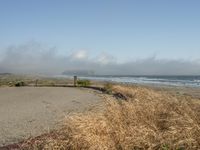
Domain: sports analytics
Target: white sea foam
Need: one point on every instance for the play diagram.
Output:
(190, 81)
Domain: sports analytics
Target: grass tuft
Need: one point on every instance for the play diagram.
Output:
(108, 87)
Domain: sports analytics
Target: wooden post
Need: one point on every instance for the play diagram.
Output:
(75, 81)
(36, 82)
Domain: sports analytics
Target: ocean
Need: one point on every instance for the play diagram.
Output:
(187, 81)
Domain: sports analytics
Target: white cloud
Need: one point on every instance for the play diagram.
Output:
(79, 55)
(105, 58)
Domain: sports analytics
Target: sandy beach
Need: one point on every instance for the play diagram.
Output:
(31, 111)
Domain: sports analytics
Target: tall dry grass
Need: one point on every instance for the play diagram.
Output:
(145, 120)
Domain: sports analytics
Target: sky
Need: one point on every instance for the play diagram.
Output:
(150, 37)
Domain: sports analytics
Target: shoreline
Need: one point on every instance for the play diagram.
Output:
(9, 80)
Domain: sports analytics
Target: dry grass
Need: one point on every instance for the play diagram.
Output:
(146, 120)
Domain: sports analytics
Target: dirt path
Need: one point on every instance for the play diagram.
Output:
(30, 111)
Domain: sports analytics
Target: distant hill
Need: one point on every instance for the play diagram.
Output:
(5, 73)
(79, 72)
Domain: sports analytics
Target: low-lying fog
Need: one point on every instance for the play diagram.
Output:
(33, 58)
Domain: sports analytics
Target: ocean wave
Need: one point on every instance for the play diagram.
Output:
(191, 81)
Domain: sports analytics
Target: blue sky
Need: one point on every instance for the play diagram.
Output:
(151, 37)
(126, 29)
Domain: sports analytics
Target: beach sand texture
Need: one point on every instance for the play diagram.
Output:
(31, 111)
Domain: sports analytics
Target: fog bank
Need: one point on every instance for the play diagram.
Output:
(34, 58)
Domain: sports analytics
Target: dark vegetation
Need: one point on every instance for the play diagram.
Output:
(84, 83)
(20, 83)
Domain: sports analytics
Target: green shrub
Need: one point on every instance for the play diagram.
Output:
(108, 87)
(20, 83)
(84, 83)
(52, 84)
(10, 84)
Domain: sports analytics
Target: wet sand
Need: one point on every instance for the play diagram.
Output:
(31, 111)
